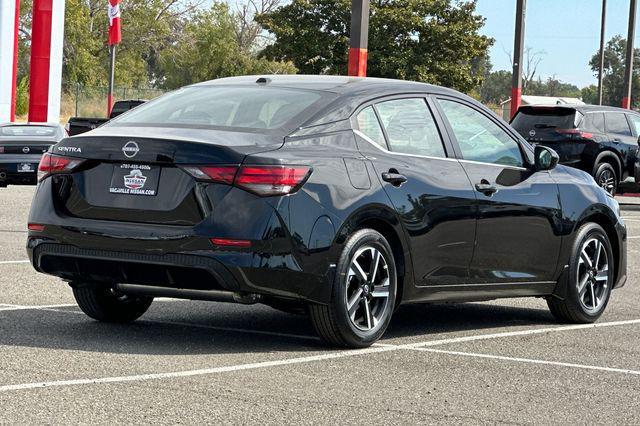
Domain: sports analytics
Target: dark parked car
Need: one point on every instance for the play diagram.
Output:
(602, 141)
(342, 197)
(78, 125)
(21, 146)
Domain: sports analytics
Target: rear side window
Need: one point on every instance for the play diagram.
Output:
(369, 125)
(248, 107)
(594, 122)
(635, 122)
(410, 127)
(617, 123)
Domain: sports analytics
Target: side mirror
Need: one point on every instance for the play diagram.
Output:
(545, 158)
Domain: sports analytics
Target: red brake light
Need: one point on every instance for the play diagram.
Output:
(35, 227)
(50, 164)
(230, 243)
(575, 133)
(262, 180)
(218, 174)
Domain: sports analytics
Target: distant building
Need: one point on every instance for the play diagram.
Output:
(505, 107)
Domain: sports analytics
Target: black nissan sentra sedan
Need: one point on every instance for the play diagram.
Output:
(338, 197)
(21, 146)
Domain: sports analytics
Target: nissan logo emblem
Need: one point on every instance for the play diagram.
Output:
(26, 150)
(130, 149)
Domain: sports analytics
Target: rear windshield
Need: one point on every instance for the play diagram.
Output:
(546, 118)
(27, 131)
(224, 106)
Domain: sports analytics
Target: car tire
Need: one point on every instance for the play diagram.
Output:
(363, 295)
(103, 304)
(589, 279)
(606, 178)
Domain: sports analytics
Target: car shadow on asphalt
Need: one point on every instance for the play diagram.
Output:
(224, 330)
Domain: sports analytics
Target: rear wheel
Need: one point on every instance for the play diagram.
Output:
(107, 305)
(364, 293)
(589, 280)
(606, 178)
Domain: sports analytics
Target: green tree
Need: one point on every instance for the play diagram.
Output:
(435, 41)
(614, 65)
(496, 87)
(590, 94)
(208, 48)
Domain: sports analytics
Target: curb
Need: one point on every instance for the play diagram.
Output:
(630, 207)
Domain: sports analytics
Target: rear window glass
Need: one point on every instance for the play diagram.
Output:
(224, 106)
(27, 131)
(617, 123)
(546, 118)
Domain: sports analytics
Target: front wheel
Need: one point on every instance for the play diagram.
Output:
(107, 305)
(590, 278)
(364, 293)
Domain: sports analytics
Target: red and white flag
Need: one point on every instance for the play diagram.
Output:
(114, 22)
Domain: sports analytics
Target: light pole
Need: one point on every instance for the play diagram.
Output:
(518, 49)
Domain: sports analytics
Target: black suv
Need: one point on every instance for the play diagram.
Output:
(602, 141)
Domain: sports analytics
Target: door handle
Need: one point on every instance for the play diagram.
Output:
(486, 188)
(394, 178)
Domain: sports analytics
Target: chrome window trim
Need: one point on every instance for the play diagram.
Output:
(371, 142)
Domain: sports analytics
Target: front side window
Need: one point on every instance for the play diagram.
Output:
(410, 127)
(617, 123)
(479, 138)
(369, 125)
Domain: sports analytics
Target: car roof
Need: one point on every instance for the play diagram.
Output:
(581, 108)
(342, 85)
(31, 124)
(350, 92)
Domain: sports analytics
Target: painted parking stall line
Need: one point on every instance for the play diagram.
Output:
(11, 262)
(529, 361)
(378, 348)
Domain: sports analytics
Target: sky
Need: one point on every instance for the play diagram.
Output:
(567, 31)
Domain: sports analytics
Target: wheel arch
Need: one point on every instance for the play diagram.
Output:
(385, 221)
(610, 157)
(603, 217)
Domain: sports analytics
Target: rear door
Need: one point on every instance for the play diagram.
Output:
(517, 237)
(622, 138)
(426, 184)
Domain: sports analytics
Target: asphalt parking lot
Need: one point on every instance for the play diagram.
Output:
(197, 362)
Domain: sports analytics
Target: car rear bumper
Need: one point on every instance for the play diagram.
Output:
(10, 169)
(196, 273)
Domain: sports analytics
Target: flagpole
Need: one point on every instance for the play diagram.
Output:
(112, 73)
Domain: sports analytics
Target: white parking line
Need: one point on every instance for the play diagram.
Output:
(633, 237)
(300, 360)
(8, 262)
(530, 361)
(5, 307)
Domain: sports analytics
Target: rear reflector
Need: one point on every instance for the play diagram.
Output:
(50, 164)
(35, 227)
(261, 180)
(230, 243)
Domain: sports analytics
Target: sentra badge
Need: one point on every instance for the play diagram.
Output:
(130, 149)
(135, 179)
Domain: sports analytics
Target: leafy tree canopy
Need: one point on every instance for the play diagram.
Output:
(614, 65)
(435, 41)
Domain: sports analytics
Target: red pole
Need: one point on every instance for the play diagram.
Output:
(518, 44)
(14, 81)
(358, 39)
(40, 60)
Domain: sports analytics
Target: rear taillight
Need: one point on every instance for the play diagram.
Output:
(261, 180)
(50, 164)
(575, 133)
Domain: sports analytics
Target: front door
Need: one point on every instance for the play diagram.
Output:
(518, 209)
(428, 188)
